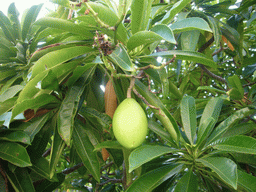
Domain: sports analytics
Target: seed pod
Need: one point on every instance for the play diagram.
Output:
(110, 99)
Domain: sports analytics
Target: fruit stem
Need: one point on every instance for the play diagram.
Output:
(129, 91)
(128, 176)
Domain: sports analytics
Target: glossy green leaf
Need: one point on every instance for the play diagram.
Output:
(235, 82)
(204, 130)
(13, 14)
(28, 19)
(211, 89)
(41, 167)
(191, 23)
(227, 123)
(140, 12)
(145, 37)
(165, 32)
(214, 24)
(187, 183)
(225, 168)
(176, 8)
(85, 150)
(35, 126)
(146, 153)
(47, 185)
(239, 144)
(16, 136)
(246, 181)
(69, 106)
(240, 129)
(15, 154)
(165, 117)
(7, 105)
(189, 40)
(188, 116)
(9, 93)
(66, 26)
(159, 130)
(120, 9)
(108, 144)
(54, 58)
(6, 26)
(186, 55)
(121, 58)
(152, 179)
(56, 151)
(24, 179)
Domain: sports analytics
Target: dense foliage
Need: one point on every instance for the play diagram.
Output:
(190, 64)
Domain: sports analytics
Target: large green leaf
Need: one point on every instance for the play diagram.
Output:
(23, 177)
(227, 123)
(57, 57)
(189, 40)
(165, 32)
(246, 181)
(13, 14)
(56, 151)
(146, 37)
(7, 105)
(239, 144)
(240, 129)
(108, 144)
(10, 92)
(152, 179)
(159, 130)
(146, 153)
(85, 150)
(120, 57)
(140, 12)
(47, 185)
(6, 26)
(15, 154)
(192, 23)
(186, 55)
(162, 114)
(66, 26)
(69, 106)
(28, 19)
(225, 168)
(235, 82)
(16, 136)
(188, 116)
(187, 183)
(176, 8)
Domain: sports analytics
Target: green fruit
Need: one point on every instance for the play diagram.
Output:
(130, 124)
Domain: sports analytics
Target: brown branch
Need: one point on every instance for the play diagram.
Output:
(149, 88)
(72, 169)
(211, 74)
(47, 152)
(110, 180)
(157, 67)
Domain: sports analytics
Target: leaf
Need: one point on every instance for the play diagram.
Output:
(165, 117)
(211, 89)
(41, 167)
(47, 185)
(204, 130)
(10, 92)
(6, 27)
(235, 82)
(186, 55)
(224, 125)
(189, 40)
(146, 37)
(246, 181)
(238, 144)
(7, 105)
(188, 116)
(57, 57)
(86, 151)
(13, 14)
(28, 19)
(146, 153)
(35, 126)
(165, 32)
(225, 168)
(187, 183)
(140, 12)
(69, 106)
(24, 179)
(240, 129)
(108, 144)
(159, 130)
(121, 58)
(66, 26)
(214, 23)
(56, 151)
(15, 154)
(154, 178)
(188, 24)
(16, 136)
(176, 8)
